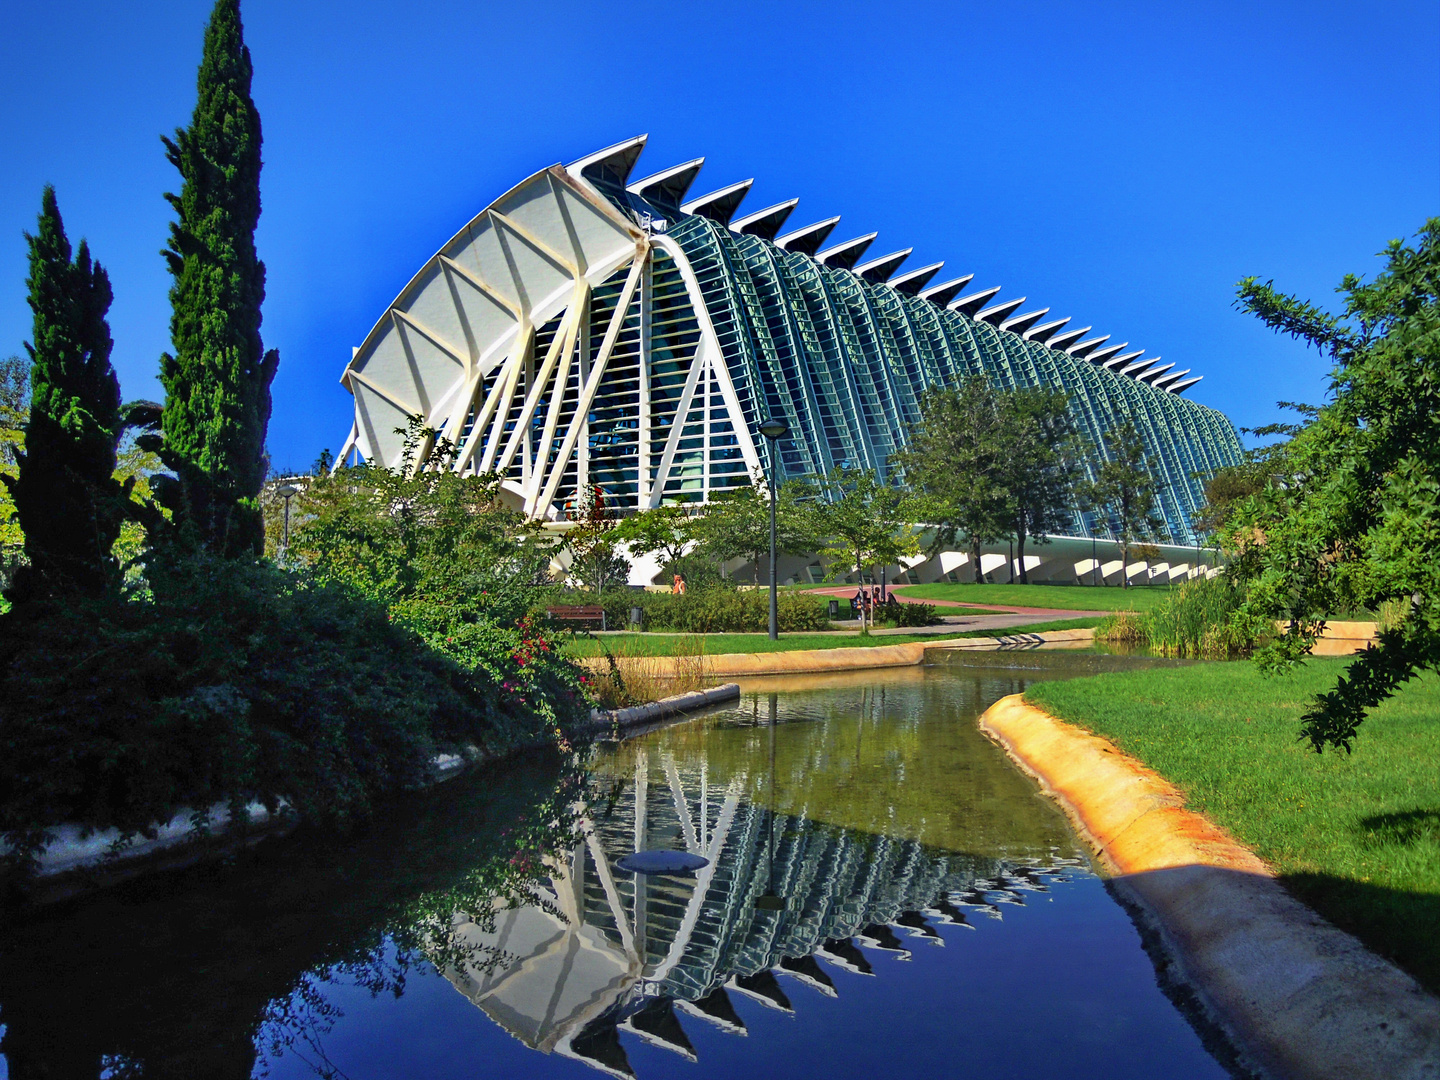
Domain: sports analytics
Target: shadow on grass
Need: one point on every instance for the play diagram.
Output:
(1405, 828)
(1400, 925)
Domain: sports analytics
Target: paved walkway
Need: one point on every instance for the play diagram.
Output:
(1009, 614)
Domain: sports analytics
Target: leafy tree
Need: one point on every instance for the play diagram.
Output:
(419, 537)
(1353, 519)
(595, 560)
(14, 414)
(956, 464)
(866, 523)
(664, 531)
(1126, 491)
(217, 382)
(1225, 490)
(736, 525)
(68, 503)
(1041, 465)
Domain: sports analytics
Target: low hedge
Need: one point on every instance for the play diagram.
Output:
(909, 615)
(708, 611)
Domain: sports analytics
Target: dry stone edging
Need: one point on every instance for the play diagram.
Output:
(1298, 998)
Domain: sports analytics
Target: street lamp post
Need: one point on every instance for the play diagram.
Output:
(287, 492)
(774, 429)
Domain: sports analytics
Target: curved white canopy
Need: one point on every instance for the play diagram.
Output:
(477, 302)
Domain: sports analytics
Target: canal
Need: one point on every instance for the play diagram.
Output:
(883, 894)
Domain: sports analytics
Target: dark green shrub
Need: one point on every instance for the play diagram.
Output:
(909, 615)
(236, 681)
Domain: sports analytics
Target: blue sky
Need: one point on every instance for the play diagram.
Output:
(1123, 164)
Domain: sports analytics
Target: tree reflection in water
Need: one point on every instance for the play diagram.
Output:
(890, 816)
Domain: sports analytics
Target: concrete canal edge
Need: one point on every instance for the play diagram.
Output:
(638, 716)
(804, 661)
(1298, 998)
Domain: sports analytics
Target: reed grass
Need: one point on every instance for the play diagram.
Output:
(1199, 619)
(635, 677)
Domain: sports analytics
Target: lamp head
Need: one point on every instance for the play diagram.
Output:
(287, 490)
(774, 428)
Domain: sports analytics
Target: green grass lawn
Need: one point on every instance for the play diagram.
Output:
(1070, 597)
(1356, 837)
(719, 644)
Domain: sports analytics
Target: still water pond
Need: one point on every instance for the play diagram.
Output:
(884, 895)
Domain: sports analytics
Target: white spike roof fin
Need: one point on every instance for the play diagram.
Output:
(1020, 323)
(668, 186)
(1181, 387)
(719, 206)
(1154, 373)
(807, 241)
(765, 223)
(877, 270)
(975, 301)
(943, 293)
(1045, 330)
(912, 281)
(611, 165)
(1068, 338)
(1132, 369)
(846, 255)
(995, 314)
(1084, 347)
(1165, 381)
(1108, 358)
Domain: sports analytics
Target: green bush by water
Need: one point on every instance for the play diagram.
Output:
(1200, 618)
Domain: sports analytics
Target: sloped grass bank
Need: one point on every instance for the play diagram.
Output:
(1356, 837)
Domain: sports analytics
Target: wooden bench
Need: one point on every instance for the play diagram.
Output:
(578, 613)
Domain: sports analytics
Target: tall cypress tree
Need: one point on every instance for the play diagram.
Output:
(217, 383)
(69, 504)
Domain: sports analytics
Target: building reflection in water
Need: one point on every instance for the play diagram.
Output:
(603, 951)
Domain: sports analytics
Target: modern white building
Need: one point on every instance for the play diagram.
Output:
(587, 328)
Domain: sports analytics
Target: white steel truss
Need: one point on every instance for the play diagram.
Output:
(559, 345)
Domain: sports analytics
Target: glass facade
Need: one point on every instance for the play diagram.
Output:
(845, 360)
